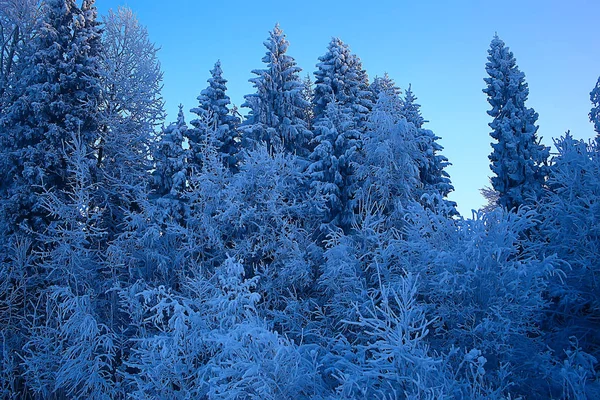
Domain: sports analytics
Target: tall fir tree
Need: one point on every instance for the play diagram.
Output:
(170, 159)
(342, 101)
(384, 88)
(341, 78)
(56, 94)
(411, 110)
(518, 159)
(215, 122)
(595, 111)
(331, 171)
(432, 164)
(278, 108)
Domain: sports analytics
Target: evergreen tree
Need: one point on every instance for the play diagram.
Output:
(169, 159)
(57, 94)
(595, 111)
(518, 160)
(217, 121)
(412, 110)
(331, 171)
(308, 93)
(385, 89)
(341, 78)
(278, 108)
(432, 164)
(388, 168)
(342, 100)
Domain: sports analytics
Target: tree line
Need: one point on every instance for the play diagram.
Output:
(305, 250)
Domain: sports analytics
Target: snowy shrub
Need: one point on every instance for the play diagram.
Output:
(485, 285)
(570, 212)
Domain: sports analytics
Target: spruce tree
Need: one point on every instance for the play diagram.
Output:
(169, 159)
(411, 110)
(308, 92)
(57, 94)
(518, 160)
(341, 78)
(432, 164)
(278, 108)
(341, 102)
(215, 122)
(331, 171)
(384, 88)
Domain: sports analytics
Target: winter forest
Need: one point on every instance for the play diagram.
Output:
(302, 246)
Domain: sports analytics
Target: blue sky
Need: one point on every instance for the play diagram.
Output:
(440, 47)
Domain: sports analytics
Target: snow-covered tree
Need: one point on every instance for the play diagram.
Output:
(308, 92)
(388, 169)
(20, 20)
(518, 159)
(432, 170)
(411, 110)
(595, 111)
(331, 172)
(570, 215)
(57, 94)
(278, 108)
(216, 122)
(132, 107)
(340, 78)
(386, 87)
(131, 73)
(170, 171)
(69, 349)
(170, 158)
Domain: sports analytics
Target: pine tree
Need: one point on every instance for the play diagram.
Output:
(518, 160)
(412, 110)
(384, 88)
(595, 111)
(216, 120)
(331, 171)
(278, 108)
(388, 169)
(432, 164)
(308, 92)
(57, 94)
(169, 159)
(341, 78)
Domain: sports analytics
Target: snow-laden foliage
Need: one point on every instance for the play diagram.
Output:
(340, 79)
(170, 170)
(331, 170)
(181, 264)
(132, 107)
(55, 95)
(385, 87)
(485, 283)
(389, 168)
(411, 110)
(20, 21)
(215, 122)
(571, 229)
(278, 108)
(518, 160)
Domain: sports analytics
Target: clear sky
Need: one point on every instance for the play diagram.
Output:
(440, 47)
